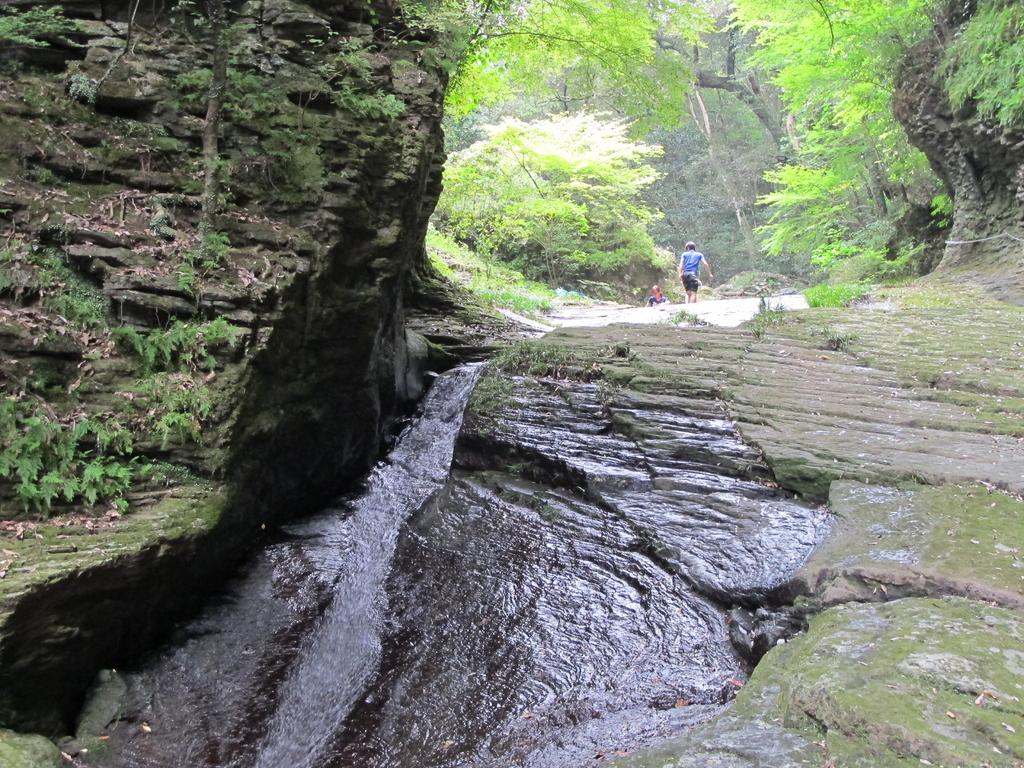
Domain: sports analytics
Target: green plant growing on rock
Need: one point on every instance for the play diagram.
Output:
(187, 278)
(248, 96)
(82, 88)
(683, 317)
(287, 155)
(210, 254)
(28, 274)
(348, 73)
(180, 346)
(81, 304)
(986, 64)
(178, 406)
(551, 360)
(77, 459)
(766, 318)
(836, 339)
(40, 174)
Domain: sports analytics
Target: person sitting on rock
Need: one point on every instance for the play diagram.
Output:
(689, 271)
(656, 296)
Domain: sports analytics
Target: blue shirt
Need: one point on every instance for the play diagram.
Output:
(690, 262)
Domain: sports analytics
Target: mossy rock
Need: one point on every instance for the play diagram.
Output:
(910, 680)
(27, 751)
(965, 540)
(907, 683)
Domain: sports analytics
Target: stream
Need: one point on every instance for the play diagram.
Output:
(556, 595)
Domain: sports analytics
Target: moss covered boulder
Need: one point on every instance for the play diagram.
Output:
(918, 540)
(912, 682)
(17, 751)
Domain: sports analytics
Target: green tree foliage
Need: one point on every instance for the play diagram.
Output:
(32, 26)
(582, 52)
(560, 199)
(985, 63)
(835, 62)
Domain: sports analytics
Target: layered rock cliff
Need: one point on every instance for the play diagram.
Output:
(979, 160)
(208, 386)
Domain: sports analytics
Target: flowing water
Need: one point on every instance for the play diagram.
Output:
(556, 598)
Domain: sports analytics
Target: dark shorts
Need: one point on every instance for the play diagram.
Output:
(690, 282)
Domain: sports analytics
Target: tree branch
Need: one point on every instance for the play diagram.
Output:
(745, 94)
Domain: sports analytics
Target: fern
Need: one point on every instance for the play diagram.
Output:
(178, 405)
(180, 346)
(986, 62)
(54, 461)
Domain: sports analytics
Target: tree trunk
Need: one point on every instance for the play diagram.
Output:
(730, 55)
(754, 99)
(214, 110)
(746, 229)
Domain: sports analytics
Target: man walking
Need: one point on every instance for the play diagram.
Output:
(689, 271)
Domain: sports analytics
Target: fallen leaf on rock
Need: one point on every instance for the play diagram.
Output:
(680, 703)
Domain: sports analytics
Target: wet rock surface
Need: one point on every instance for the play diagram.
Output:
(913, 600)
(557, 602)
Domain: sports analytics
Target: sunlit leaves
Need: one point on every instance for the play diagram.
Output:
(836, 62)
(556, 197)
(587, 52)
(33, 27)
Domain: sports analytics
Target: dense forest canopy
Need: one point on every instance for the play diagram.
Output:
(781, 149)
